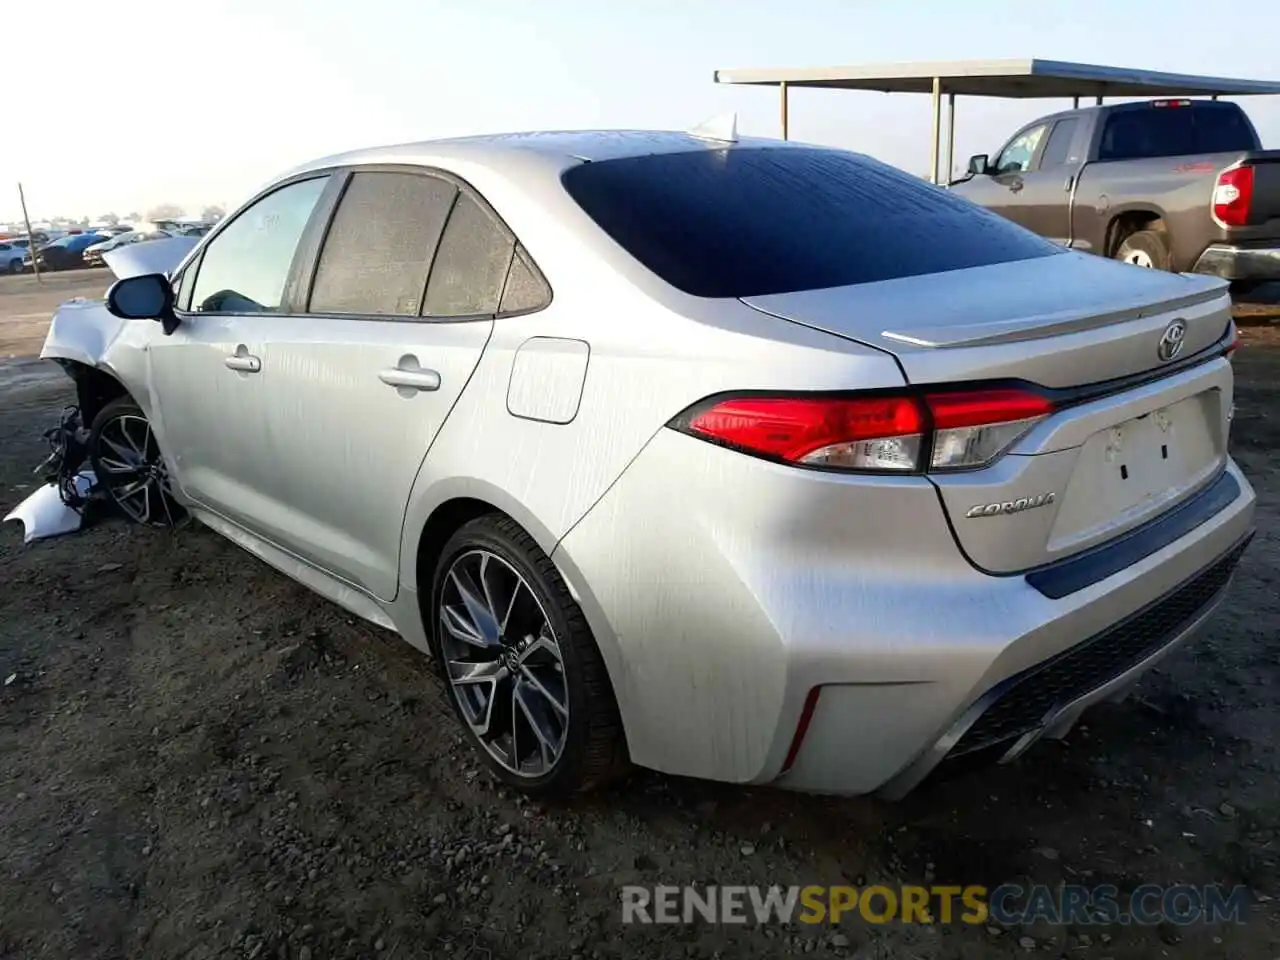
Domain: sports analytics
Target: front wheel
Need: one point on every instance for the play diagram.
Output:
(128, 466)
(15, 266)
(524, 674)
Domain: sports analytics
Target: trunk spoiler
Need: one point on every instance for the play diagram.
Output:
(1044, 325)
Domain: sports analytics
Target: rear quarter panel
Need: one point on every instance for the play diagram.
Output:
(1178, 190)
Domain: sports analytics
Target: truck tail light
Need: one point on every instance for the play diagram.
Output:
(898, 433)
(1232, 196)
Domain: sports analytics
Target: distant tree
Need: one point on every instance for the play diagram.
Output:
(133, 217)
(212, 212)
(164, 211)
(109, 218)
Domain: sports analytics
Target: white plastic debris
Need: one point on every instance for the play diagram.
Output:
(44, 515)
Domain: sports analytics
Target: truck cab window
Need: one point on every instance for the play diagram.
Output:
(1017, 155)
(1057, 150)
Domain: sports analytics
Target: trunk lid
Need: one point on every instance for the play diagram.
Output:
(149, 256)
(1066, 321)
(1059, 321)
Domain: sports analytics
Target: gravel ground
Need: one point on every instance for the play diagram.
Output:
(198, 758)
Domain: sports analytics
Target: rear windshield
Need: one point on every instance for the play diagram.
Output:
(1150, 131)
(751, 221)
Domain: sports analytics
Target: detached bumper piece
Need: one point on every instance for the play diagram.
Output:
(1240, 262)
(65, 504)
(1027, 703)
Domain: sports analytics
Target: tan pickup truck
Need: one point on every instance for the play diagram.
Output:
(1179, 185)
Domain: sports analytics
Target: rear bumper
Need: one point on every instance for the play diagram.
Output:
(1232, 262)
(723, 591)
(1048, 698)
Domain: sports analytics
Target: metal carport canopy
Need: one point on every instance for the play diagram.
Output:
(1012, 79)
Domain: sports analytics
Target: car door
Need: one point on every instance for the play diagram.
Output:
(999, 191)
(207, 376)
(398, 308)
(1041, 199)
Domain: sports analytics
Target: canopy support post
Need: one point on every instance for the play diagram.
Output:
(937, 129)
(1075, 103)
(951, 138)
(782, 93)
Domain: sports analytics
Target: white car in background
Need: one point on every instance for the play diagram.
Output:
(93, 254)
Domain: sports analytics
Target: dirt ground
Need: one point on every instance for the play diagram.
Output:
(199, 758)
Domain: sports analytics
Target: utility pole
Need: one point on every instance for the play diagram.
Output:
(31, 240)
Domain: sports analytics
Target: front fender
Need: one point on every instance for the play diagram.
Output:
(81, 330)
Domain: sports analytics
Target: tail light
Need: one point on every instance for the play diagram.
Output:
(1171, 103)
(1235, 343)
(972, 429)
(877, 433)
(1232, 196)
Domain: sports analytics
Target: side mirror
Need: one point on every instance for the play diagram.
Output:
(146, 297)
(979, 164)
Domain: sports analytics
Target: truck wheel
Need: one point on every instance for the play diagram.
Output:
(1146, 248)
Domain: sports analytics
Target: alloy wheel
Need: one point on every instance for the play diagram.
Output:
(132, 470)
(503, 663)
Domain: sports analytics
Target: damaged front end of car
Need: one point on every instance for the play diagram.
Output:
(101, 354)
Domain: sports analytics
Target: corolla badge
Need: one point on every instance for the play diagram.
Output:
(1006, 507)
(1172, 340)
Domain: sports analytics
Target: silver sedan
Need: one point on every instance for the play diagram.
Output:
(737, 459)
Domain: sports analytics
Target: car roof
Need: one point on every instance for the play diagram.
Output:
(507, 151)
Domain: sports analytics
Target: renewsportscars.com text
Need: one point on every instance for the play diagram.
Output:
(1008, 904)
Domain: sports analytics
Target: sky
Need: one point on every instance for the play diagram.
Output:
(117, 121)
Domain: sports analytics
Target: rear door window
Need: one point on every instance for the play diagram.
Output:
(378, 251)
(471, 266)
(752, 221)
(1058, 149)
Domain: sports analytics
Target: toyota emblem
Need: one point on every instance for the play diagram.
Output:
(1171, 341)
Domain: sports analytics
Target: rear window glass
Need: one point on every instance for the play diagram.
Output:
(1150, 131)
(751, 221)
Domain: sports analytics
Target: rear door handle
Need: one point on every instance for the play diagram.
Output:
(243, 362)
(410, 379)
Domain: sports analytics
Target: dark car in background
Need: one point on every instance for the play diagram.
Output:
(64, 253)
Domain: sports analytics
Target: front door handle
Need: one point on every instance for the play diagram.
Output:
(408, 376)
(243, 361)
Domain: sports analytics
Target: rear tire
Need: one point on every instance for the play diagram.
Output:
(524, 674)
(1146, 248)
(129, 467)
